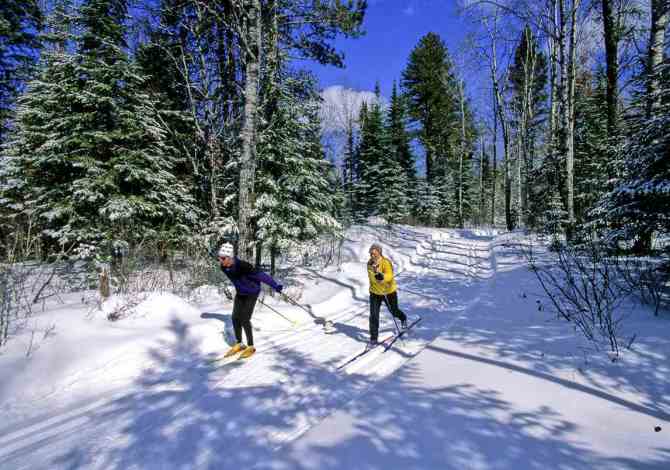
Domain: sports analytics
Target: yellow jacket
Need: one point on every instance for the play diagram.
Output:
(387, 285)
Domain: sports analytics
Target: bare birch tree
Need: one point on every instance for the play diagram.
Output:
(660, 17)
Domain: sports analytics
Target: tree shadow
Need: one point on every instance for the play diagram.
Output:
(412, 426)
(406, 424)
(185, 413)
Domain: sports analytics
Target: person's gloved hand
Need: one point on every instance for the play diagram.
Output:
(227, 292)
(279, 288)
(379, 276)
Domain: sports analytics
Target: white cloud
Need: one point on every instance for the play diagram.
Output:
(409, 10)
(342, 105)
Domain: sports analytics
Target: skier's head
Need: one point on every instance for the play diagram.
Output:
(226, 253)
(375, 251)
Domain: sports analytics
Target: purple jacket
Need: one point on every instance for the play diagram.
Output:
(247, 279)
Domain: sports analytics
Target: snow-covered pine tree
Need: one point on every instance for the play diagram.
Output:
(554, 220)
(295, 198)
(393, 200)
(373, 153)
(358, 189)
(157, 60)
(638, 205)
(445, 187)
(88, 150)
(592, 151)
(349, 177)
(399, 172)
(427, 205)
(399, 137)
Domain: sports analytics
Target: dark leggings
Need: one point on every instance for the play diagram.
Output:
(391, 301)
(243, 308)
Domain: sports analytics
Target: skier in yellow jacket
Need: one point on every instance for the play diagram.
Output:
(382, 288)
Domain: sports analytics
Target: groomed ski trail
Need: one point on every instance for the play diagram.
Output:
(287, 386)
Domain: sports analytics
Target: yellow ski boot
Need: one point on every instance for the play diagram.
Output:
(237, 347)
(248, 352)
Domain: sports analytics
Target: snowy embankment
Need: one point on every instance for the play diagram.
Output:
(486, 380)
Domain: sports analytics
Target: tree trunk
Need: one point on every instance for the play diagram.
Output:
(660, 16)
(566, 92)
(570, 129)
(213, 157)
(508, 179)
(461, 156)
(273, 258)
(481, 183)
(249, 131)
(505, 131)
(494, 179)
(553, 112)
(527, 117)
(520, 182)
(562, 84)
(506, 155)
(612, 65)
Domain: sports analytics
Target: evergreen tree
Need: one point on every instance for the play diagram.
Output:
(358, 189)
(399, 172)
(373, 150)
(20, 23)
(428, 82)
(104, 170)
(555, 219)
(162, 77)
(638, 205)
(295, 200)
(399, 137)
(446, 188)
(349, 177)
(528, 79)
(426, 203)
(592, 152)
(392, 200)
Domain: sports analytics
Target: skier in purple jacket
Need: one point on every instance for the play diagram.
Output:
(247, 281)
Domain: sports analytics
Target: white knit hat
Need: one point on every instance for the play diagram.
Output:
(226, 250)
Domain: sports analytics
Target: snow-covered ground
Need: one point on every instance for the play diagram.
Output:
(485, 381)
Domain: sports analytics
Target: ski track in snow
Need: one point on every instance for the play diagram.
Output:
(93, 429)
(182, 412)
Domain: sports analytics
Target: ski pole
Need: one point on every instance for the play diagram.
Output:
(294, 323)
(293, 302)
(316, 319)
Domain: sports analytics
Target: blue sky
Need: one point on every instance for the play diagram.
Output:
(393, 28)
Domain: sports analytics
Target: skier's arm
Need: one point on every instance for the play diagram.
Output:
(260, 276)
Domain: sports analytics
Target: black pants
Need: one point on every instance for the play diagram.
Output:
(243, 308)
(391, 301)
